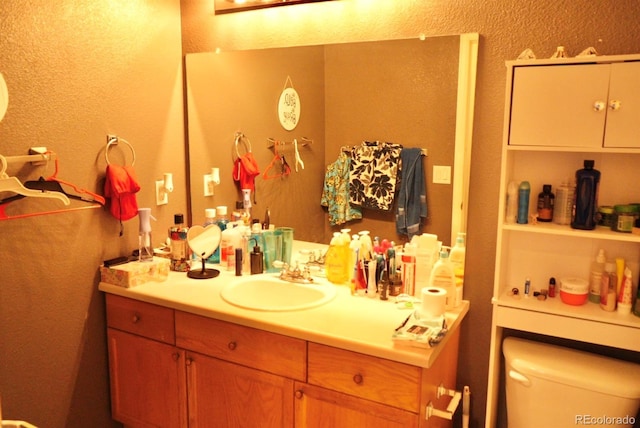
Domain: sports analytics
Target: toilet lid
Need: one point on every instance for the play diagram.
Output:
(4, 97)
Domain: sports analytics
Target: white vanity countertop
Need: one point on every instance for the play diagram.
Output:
(355, 323)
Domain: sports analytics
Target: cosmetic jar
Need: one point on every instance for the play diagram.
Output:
(574, 291)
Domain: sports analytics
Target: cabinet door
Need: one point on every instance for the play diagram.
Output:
(317, 407)
(553, 105)
(147, 381)
(623, 115)
(223, 394)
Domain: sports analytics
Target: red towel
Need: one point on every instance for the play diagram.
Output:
(120, 187)
(245, 169)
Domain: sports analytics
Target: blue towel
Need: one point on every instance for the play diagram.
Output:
(411, 205)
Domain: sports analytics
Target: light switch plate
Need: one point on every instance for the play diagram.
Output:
(441, 174)
(162, 197)
(208, 185)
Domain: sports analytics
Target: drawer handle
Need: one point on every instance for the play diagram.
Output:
(299, 394)
(599, 106)
(357, 378)
(615, 105)
(135, 318)
(232, 346)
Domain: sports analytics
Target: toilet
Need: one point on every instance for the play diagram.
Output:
(551, 386)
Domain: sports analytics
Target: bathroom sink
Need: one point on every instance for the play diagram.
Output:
(270, 293)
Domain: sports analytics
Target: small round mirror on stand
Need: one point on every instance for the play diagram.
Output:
(203, 241)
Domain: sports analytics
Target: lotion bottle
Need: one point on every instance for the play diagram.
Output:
(443, 276)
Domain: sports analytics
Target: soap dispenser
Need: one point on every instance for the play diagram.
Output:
(257, 259)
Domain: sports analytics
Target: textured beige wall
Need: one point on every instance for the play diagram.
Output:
(79, 69)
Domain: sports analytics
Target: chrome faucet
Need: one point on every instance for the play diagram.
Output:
(295, 274)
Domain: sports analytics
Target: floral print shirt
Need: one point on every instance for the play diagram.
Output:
(373, 174)
(335, 193)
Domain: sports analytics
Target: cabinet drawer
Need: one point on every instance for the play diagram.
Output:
(376, 379)
(141, 318)
(262, 350)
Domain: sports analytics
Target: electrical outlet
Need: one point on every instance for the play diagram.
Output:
(441, 174)
(162, 197)
(208, 185)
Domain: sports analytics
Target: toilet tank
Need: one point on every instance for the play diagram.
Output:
(551, 386)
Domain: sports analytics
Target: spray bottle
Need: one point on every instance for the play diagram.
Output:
(145, 247)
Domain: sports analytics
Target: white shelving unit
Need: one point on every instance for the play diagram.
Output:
(559, 113)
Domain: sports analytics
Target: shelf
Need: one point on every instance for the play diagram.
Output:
(565, 230)
(586, 323)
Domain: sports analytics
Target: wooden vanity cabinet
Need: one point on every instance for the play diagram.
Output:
(146, 370)
(212, 373)
(347, 389)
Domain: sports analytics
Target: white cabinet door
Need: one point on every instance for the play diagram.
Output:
(553, 105)
(623, 115)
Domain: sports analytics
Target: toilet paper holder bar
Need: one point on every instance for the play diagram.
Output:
(456, 396)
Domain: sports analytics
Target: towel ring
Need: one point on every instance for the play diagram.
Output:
(241, 138)
(115, 141)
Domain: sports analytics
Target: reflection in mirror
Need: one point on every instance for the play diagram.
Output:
(203, 241)
(414, 92)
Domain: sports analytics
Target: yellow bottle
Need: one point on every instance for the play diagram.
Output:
(336, 260)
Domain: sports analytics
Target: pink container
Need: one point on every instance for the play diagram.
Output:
(574, 291)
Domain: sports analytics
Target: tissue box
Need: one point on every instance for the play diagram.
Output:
(135, 273)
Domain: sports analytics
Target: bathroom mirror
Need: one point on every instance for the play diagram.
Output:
(415, 92)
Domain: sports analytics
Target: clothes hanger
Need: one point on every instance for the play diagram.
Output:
(12, 184)
(54, 183)
(285, 169)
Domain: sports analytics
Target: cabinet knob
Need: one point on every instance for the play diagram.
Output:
(232, 346)
(599, 106)
(357, 378)
(135, 318)
(299, 394)
(175, 356)
(188, 361)
(615, 105)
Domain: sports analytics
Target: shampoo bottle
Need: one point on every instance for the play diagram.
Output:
(442, 276)
(595, 276)
(586, 200)
(546, 201)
